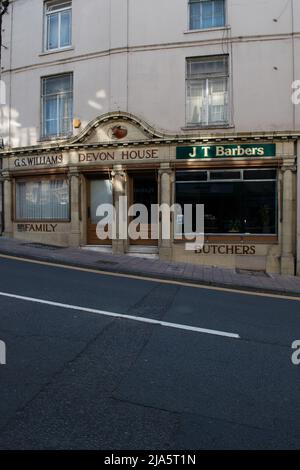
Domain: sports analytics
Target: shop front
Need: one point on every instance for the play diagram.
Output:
(91, 191)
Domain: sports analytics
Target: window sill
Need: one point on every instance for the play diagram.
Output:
(198, 127)
(56, 51)
(41, 221)
(260, 239)
(206, 30)
(54, 139)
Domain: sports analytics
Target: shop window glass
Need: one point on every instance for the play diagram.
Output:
(42, 200)
(233, 206)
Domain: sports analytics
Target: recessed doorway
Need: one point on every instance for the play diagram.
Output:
(99, 191)
(143, 189)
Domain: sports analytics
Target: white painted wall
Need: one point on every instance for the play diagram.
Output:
(130, 55)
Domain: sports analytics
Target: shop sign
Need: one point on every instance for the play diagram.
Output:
(39, 228)
(227, 250)
(43, 160)
(225, 151)
(123, 155)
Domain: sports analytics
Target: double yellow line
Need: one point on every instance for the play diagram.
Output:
(150, 279)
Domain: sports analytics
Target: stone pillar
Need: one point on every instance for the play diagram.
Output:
(119, 243)
(288, 218)
(7, 205)
(166, 181)
(298, 209)
(1, 204)
(75, 234)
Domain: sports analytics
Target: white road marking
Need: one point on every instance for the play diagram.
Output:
(123, 316)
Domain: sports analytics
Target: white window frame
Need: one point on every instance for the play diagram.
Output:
(60, 134)
(205, 27)
(207, 123)
(47, 14)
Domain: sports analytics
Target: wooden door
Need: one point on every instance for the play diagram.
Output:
(143, 189)
(99, 191)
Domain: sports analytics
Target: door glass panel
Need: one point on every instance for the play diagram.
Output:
(145, 192)
(101, 193)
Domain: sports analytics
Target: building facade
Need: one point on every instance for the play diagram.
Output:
(173, 101)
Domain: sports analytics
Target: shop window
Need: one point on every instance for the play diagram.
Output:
(42, 200)
(207, 91)
(57, 106)
(206, 14)
(233, 206)
(225, 175)
(191, 175)
(259, 174)
(58, 24)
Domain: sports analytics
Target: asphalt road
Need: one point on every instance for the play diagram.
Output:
(76, 379)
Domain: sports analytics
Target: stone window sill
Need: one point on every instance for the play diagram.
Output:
(201, 128)
(206, 30)
(56, 51)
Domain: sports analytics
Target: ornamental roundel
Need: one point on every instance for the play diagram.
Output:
(118, 132)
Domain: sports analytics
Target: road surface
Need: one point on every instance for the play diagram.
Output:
(97, 361)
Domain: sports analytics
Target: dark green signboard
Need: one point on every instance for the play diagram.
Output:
(226, 151)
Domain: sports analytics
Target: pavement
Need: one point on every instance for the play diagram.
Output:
(153, 268)
(87, 369)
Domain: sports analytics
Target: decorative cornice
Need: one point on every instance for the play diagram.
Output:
(152, 138)
(150, 132)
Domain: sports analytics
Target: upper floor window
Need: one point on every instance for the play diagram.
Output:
(57, 106)
(207, 14)
(207, 91)
(58, 24)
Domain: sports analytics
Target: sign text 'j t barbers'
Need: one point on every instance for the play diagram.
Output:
(226, 151)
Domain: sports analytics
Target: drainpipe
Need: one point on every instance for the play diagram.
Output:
(4, 4)
(293, 55)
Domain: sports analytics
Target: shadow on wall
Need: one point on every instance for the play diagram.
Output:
(14, 135)
(100, 95)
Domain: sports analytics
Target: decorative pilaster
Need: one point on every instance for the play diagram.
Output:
(298, 209)
(287, 229)
(74, 179)
(1, 204)
(7, 204)
(119, 244)
(166, 175)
